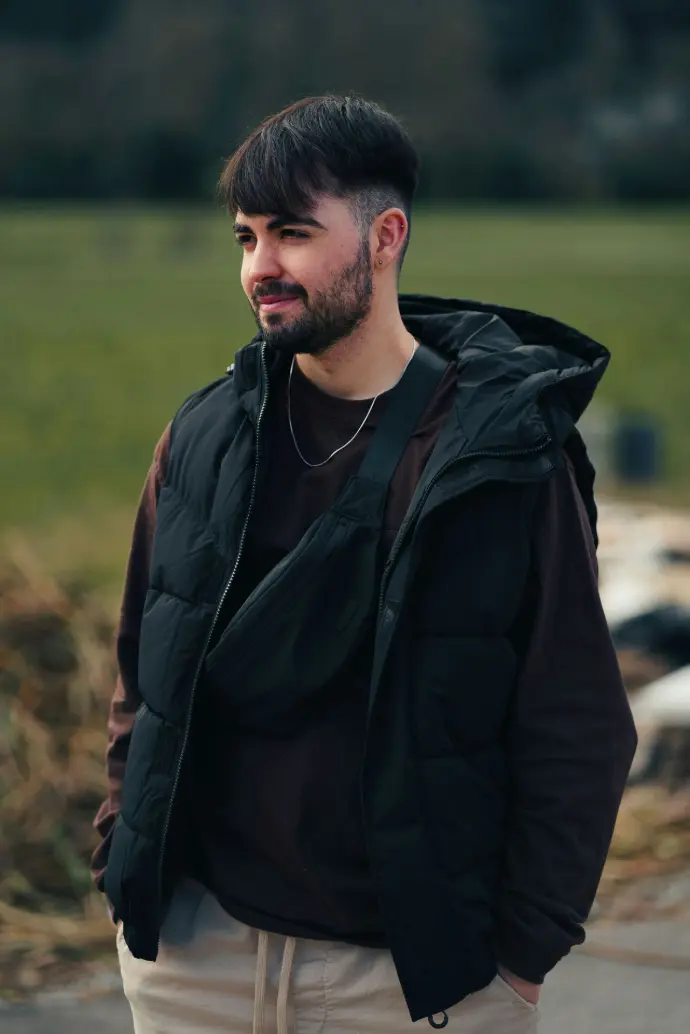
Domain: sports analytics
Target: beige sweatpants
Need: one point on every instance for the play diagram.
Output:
(215, 974)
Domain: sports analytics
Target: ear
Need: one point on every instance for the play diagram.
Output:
(390, 230)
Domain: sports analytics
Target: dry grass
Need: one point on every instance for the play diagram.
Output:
(56, 676)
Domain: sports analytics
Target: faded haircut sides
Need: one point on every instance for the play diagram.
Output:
(338, 146)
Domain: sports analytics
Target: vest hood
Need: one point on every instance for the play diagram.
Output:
(521, 376)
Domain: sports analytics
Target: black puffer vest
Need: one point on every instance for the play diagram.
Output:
(444, 658)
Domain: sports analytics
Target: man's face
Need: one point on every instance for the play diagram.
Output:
(308, 278)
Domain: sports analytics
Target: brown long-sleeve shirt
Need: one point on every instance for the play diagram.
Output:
(279, 827)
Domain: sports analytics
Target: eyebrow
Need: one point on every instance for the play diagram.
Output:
(279, 221)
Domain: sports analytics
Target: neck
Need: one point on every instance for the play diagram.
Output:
(364, 364)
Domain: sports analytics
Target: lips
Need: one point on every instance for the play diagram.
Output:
(272, 302)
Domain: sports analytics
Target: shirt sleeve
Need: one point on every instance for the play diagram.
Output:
(126, 698)
(571, 741)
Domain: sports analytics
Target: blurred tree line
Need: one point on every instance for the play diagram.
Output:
(506, 99)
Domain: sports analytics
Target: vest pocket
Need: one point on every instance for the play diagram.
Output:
(131, 884)
(117, 861)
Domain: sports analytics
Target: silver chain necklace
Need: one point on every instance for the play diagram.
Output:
(350, 440)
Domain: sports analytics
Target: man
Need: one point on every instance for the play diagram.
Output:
(369, 737)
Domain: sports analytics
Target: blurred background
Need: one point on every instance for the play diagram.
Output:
(555, 146)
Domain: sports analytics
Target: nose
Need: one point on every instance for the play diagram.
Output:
(263, 264)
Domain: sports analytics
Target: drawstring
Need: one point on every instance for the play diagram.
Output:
(283, 984)
(260, 983)
(283, 987)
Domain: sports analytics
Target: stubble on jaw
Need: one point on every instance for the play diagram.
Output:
(334, 314)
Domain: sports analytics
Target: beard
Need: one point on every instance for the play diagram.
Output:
(331, 315)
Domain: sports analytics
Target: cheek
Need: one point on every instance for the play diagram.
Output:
(244, 277)
(314, 273)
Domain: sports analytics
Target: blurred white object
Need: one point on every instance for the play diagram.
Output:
(629, 555)
(666, 701)
(630, 592)
(634, 567)
(662, 717)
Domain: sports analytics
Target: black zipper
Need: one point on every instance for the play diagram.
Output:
(212, 629)
(413, 514)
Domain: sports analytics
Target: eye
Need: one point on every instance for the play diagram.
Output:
(294, 234)
(242, 239)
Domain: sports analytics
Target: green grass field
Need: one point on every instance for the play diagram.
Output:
(110, 318)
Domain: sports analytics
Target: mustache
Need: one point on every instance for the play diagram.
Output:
(277, 289)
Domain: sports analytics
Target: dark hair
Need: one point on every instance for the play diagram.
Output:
(339, 146)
